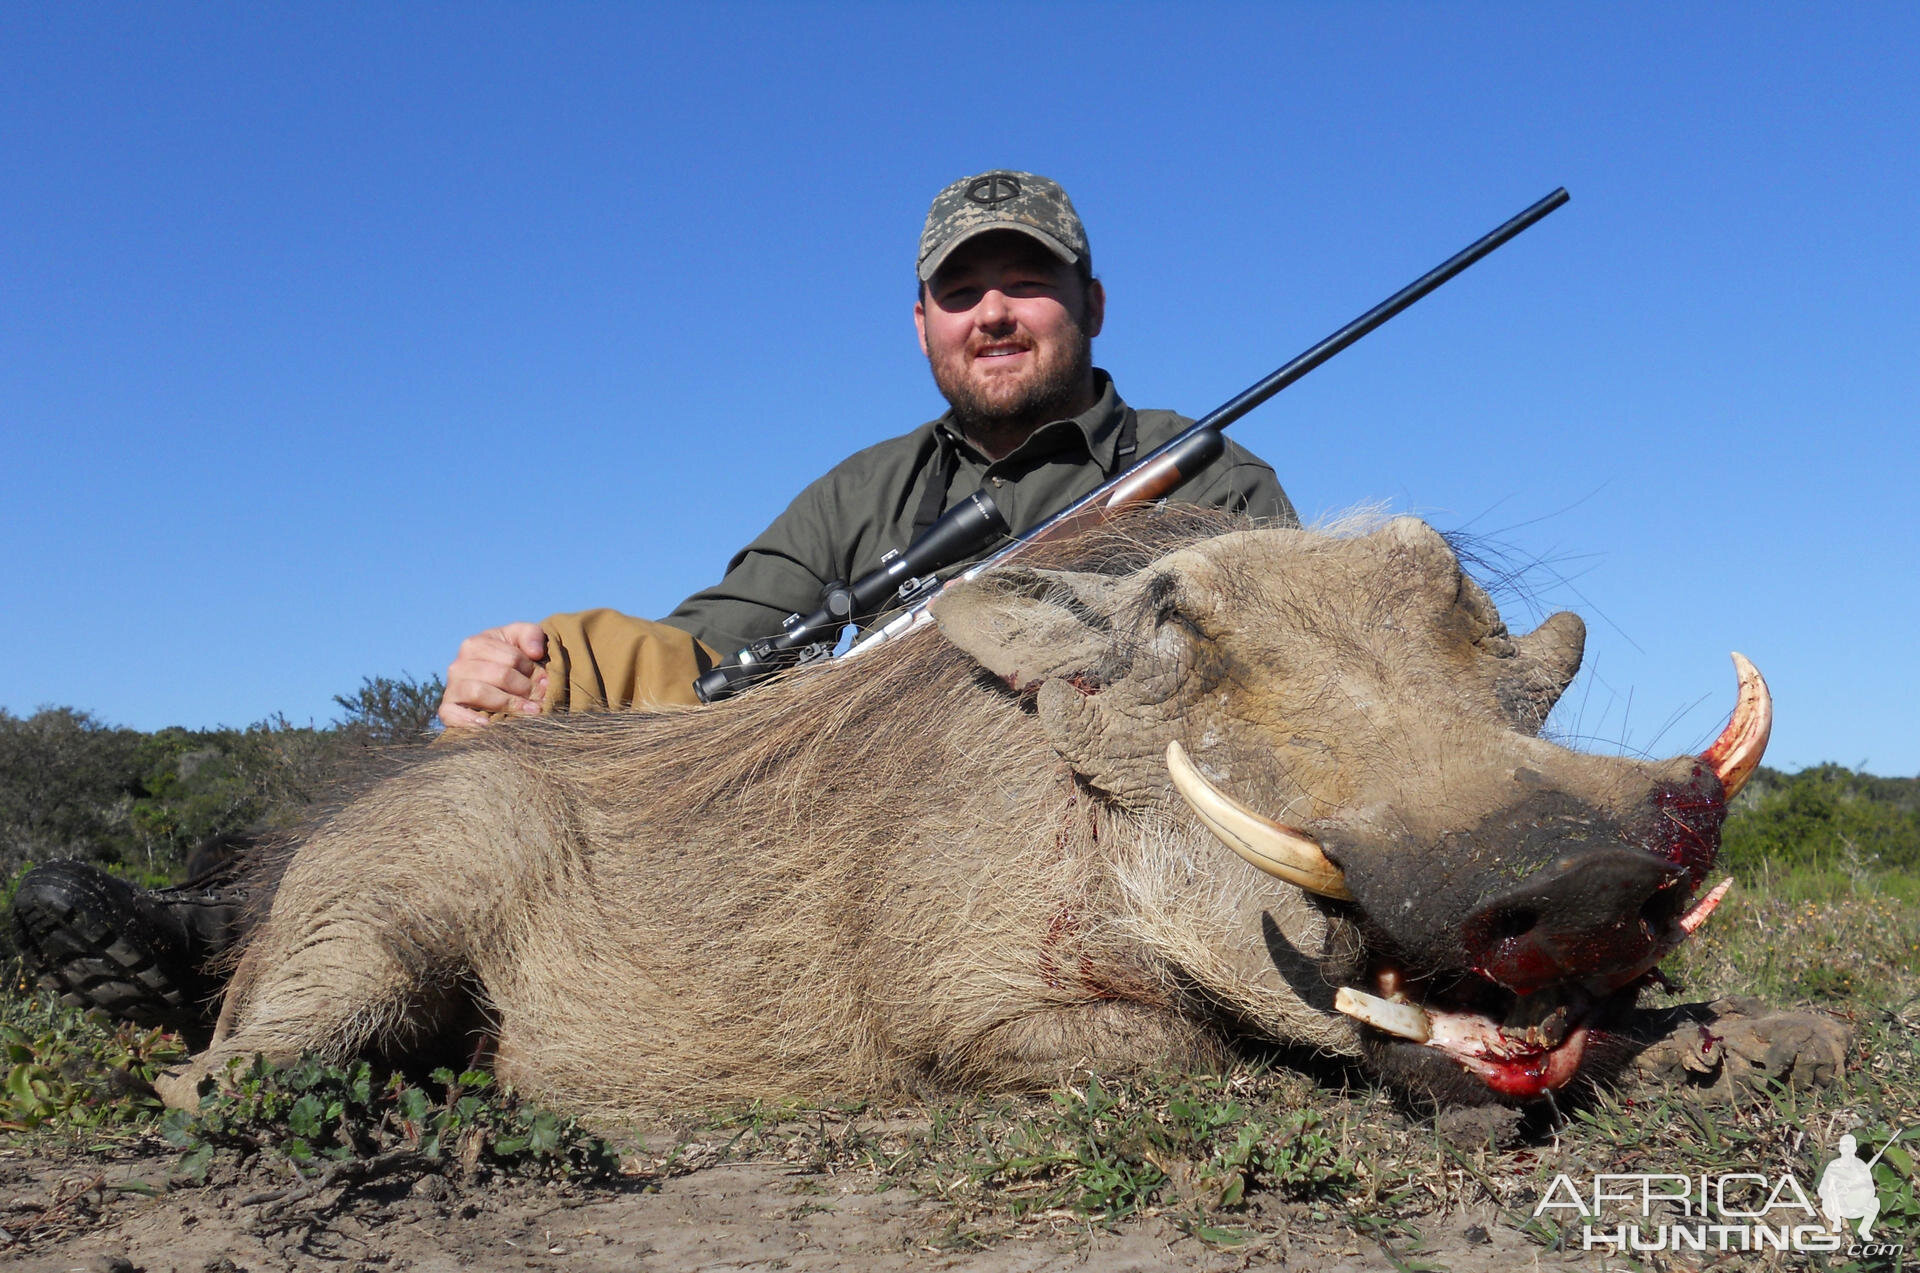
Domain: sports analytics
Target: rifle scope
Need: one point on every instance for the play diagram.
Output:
(901, 578)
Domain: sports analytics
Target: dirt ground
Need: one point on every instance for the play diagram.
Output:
(80, 1211)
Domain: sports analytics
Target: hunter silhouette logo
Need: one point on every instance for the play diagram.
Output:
(1847, 1190)
(1745, 1211)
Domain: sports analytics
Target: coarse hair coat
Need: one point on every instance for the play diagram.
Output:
(875, 876)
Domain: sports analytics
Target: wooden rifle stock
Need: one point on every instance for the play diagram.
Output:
(1159, 475)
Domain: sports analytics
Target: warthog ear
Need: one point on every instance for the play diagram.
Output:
(1052, 633)
(1544, 663)
(1027, 625)
(1532, 671)
(1428, 559)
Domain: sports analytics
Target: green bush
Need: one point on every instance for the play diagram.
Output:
(71, 787)
(65, 1068)
(67, 781)
(1825, 818)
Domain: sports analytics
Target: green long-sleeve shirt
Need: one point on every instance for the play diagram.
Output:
(843, 524)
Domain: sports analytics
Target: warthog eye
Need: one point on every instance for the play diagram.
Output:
(1187, 621)
(1070, 601)
(1163, 601)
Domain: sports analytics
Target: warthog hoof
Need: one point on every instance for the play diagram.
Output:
(1740, 1044)
(179, 1087)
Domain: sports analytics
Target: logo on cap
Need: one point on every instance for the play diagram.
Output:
(995, 187)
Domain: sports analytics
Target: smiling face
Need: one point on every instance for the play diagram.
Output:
(1008, 329)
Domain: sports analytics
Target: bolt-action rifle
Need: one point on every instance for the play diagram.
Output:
(911, 579)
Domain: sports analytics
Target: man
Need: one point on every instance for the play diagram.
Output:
(1006, 312)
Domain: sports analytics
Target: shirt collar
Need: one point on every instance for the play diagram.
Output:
(1096, 430)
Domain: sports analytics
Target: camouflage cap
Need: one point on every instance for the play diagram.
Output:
(1001, 200)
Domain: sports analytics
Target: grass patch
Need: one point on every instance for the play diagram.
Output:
(1811, 934)
(1106, 1150)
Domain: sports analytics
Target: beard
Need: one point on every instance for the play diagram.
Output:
(1005, 409)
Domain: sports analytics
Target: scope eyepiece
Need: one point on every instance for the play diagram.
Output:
(962, 531)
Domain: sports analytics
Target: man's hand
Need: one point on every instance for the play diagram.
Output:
(496, 671)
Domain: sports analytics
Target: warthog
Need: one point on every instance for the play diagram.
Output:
(988, 857)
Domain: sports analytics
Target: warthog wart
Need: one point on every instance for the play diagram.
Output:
(1188, 785)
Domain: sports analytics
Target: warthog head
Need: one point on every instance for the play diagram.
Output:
(1351, 716)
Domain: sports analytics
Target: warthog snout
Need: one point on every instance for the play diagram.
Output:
(1602, 917)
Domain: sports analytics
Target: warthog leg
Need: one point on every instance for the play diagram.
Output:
(344, 990)
(371, 945)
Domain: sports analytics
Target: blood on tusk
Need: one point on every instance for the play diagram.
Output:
(1736, 753)
(1690, 922)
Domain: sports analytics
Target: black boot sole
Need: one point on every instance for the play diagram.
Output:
(87, 944)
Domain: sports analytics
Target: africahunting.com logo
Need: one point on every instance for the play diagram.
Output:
(1730, 1211)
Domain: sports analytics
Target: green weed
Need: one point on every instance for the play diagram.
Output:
(70, 1070)
(311, 1114)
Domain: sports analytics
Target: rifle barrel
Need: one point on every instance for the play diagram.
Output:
(1247, 399)
(1163, 459)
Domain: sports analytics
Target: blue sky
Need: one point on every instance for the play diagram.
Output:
(332, 333)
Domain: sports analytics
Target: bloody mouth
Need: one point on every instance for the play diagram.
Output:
(1521, 1046)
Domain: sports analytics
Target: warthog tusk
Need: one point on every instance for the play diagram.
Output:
(1691, 921)
(1280, 851)
(1402, 1020)
(1736, 753)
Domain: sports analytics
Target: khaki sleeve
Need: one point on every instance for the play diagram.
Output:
(602, 660)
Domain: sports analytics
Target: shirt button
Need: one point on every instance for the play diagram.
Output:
(999, 481)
